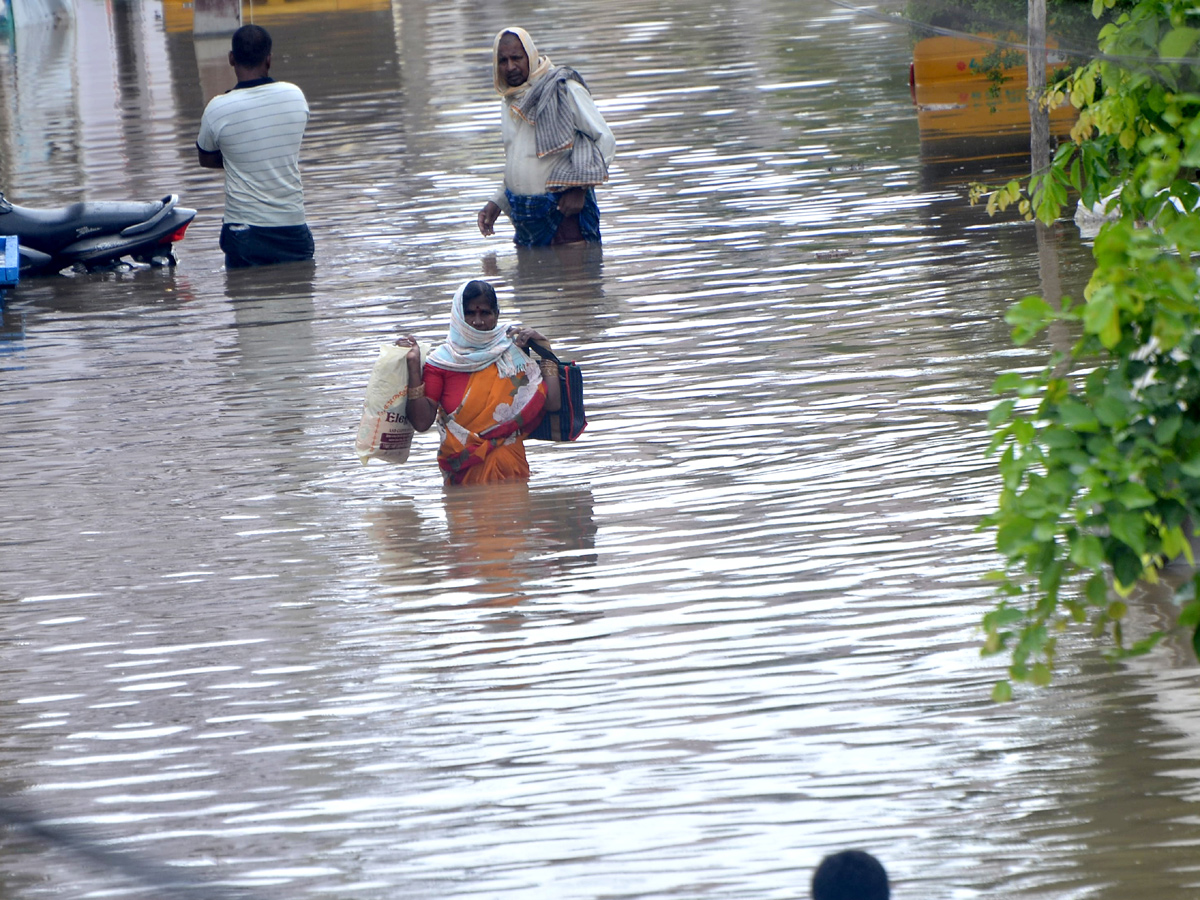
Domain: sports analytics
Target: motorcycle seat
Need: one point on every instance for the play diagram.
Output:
(76, 220)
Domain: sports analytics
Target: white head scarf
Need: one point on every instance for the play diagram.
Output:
(538, 65)
(468, 349)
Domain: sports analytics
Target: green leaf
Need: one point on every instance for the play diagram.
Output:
(1178, 43)
(1028, 317)
(1040, 674)
(1000, 413)
(1127, 565)
(1145, 645)
(1187, 192)
(1007, 381)
(1130, 529)
(1002, 692)
(1175, 544)
(1166, 429)
(1002, 617)
(1060, 438)
(1077, 416)
(1189, 616)
(1087, 551)
(1113, 412)
(1100, 318)
(1134, 496)
(1014, 535)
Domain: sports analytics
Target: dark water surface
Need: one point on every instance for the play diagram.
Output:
(731, 629)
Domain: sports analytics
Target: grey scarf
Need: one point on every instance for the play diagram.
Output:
(547, 107)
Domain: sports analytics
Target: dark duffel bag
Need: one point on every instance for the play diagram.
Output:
(569, 421)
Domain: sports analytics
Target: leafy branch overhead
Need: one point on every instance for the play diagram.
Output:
(1100, 452)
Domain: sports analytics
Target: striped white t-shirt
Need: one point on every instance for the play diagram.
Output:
(258, 131)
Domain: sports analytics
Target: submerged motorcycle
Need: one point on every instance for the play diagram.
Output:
(95, 234)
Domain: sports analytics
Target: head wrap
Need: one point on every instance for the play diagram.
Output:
(538, 65)
(468, 349)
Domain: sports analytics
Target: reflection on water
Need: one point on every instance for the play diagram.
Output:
(730, 629)
(12, 328)
(40, 113)
(560, 290)
(488, 543)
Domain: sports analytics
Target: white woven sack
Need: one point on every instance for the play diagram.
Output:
(384, 432)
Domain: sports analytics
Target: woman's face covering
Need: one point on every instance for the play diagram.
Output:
(479, 314)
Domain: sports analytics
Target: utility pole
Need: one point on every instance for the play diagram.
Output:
(1039, 115)
(1039, 157)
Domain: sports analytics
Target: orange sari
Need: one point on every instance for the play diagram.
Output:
(484, 439)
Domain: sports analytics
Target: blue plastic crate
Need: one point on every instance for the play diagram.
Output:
(10, 262)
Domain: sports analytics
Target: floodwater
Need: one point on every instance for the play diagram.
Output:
(731, 629)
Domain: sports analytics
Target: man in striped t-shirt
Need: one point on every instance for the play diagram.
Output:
(253, 132)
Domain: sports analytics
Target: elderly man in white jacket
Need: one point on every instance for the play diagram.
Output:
(557, 147)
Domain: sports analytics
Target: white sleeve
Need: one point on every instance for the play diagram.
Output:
(589, 121)
(207, 139)
(499, 197)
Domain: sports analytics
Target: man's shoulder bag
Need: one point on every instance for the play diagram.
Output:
(569, 421)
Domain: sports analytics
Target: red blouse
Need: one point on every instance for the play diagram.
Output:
(446, 387)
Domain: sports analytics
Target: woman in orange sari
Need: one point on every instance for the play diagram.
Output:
(483, 390)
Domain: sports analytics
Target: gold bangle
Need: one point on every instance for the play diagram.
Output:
(417, 392)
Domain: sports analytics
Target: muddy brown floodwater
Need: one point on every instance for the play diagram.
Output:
(731, 629)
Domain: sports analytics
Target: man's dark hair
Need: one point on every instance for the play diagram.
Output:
(251, 46)
(475, 289)
(850, 875)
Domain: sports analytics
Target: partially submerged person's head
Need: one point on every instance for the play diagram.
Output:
(251, 46)
(850, 875)
(480, 308)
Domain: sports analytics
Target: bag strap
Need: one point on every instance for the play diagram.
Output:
(543, 352)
